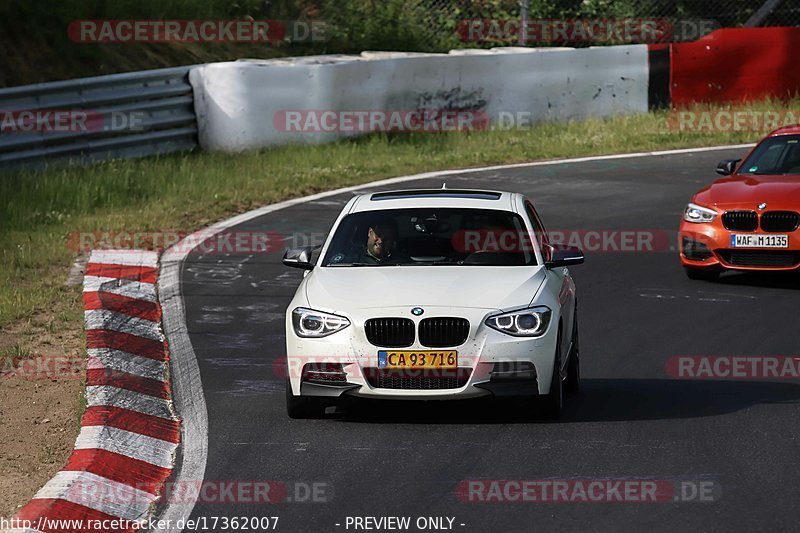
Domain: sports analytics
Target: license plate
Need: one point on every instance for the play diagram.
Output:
(759, 241)
(418, 359)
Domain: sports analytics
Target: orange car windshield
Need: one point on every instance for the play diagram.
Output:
(775, 155)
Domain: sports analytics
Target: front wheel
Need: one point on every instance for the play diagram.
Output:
(554, 401)
(573, 384)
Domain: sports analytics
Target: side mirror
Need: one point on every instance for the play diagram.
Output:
(562, 256)
(299, 257)
(726, 167)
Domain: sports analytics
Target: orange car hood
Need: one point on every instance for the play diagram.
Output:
(748, 191)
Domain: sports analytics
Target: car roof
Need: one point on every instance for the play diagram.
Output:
(409, 198)
(786, 130)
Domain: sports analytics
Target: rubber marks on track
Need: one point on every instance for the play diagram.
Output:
(129, 435)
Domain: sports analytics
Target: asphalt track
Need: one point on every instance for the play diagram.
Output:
(631, 421)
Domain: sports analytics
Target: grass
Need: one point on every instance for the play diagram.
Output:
(16, 351)
(186, 192)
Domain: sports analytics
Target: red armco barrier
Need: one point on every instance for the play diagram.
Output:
(736, 64)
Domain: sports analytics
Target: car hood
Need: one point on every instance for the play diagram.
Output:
(749, 191)
(484, 287)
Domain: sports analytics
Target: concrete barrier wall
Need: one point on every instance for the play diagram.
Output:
(239, 104)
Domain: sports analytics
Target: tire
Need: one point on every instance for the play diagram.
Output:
(554, 401)
(702, 274)
(299, 407)
(573, 384)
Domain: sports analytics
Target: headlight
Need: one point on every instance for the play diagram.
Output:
(699, 214)
(316, 324)
(531, 322)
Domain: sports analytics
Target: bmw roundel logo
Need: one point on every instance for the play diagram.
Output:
(417, 311)
(761, 207)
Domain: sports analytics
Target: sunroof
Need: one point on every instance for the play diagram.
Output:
(436, 193)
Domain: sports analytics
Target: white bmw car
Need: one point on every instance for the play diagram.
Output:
(433, 295)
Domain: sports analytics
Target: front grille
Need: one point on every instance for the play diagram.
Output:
(390, 332)
(423, 379)
(740, 220)
(780, 221)
(440, 332)
(760, 258)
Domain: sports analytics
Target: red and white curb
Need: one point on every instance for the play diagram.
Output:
(129, 436)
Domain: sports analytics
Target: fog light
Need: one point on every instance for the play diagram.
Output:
(694, 250)
(324, 373)
(513, 370)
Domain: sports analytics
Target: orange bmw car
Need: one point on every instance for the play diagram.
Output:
(747, 220)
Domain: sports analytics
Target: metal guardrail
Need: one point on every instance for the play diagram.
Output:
(129, 115)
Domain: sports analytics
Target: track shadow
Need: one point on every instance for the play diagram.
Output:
(772, 280)
(600, 400)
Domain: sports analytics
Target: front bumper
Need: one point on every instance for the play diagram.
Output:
(490, 363)
(708, 246)
(498, 383)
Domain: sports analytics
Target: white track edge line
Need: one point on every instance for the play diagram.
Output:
(188, 397)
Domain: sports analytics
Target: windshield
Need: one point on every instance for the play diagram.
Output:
(431, 236)
(776, 155)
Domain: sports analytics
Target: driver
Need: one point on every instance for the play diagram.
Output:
(381, 239)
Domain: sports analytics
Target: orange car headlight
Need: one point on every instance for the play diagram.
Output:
(699, 214)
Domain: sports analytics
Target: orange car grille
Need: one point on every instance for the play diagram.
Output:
(740, 220)
(780, 221)
(771, 221)
(760, 258)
